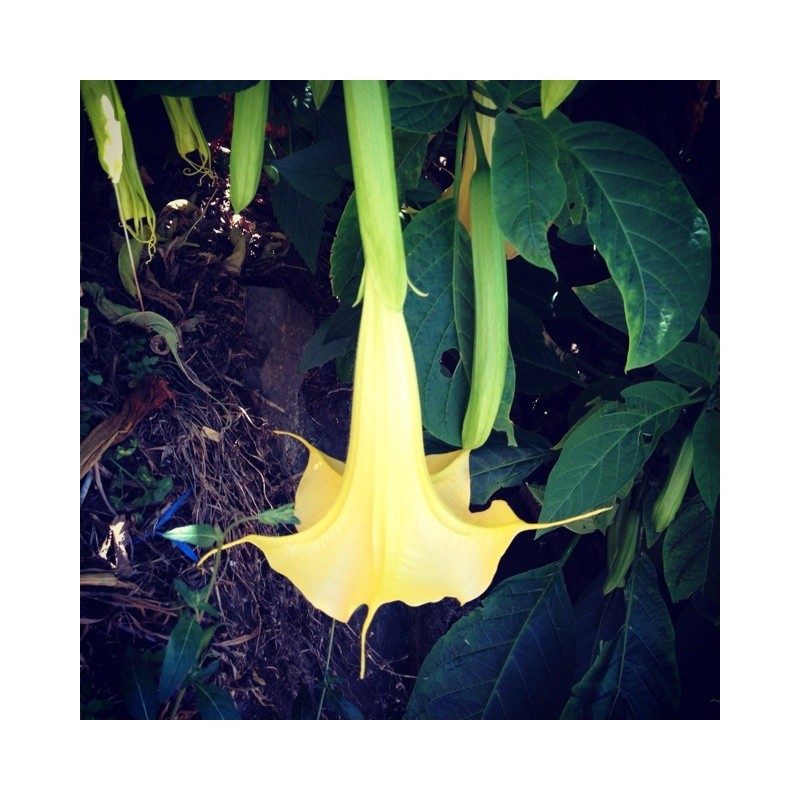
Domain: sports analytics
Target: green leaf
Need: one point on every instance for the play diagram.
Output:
(425, 106)
(199, 535)
(214, 702)
(347, 255)
(312, 171)
(283, 515)
(139, 684)
(301, 219)
(542, 366)
(191, 88)
(604, 300)
(610, 447)
(409, 156)
(180, 655)
(554, 93)
(648, 229)
(151, 321)
(497, 465)
(84, 323)
(335, 337)
(194, 598)
(528, 189)
(690, 365)
(113, 312)
(127, 267)
(320, 91)
(498, 92)
(687, 549)
(705, 466)
(635, 674)
(431, 319)
(513, 658)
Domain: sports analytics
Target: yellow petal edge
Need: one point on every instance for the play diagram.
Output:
(390, 523)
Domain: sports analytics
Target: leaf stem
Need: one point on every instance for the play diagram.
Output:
(327, 668)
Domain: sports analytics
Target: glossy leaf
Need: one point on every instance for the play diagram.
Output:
(705, 468)
(687, 549)
(214, 702)
(497, 465)
(610, 447)
(635, 674)
(180, 655)
(425, 106)
(431, 319)
(646, 226)
(604, 300)
(690, 364)
(513, 658)
(528, 189)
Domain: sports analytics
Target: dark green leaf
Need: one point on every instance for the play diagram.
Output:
(610, 447)
(528, 189)
(283, 515)
(686, 552)
(335, 337)
(312, 171)
(180, 655)
(347, 255)
(542, 366)
(496, 465)
(635, 675)
(513, 658)
(194, 598)
(301, 219)
(705, 467)
(139, 685)
(84, 323)
(409, 156)
(499, 93)
(532, 288)
(431, 319)
(214, 702)
(690, 365)
(425, 106)
(191, 88)
(199, 535)
(604, 300)
(653, 237)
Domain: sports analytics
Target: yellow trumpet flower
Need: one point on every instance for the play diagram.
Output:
(390, 523)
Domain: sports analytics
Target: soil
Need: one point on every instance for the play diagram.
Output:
(242, 336)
